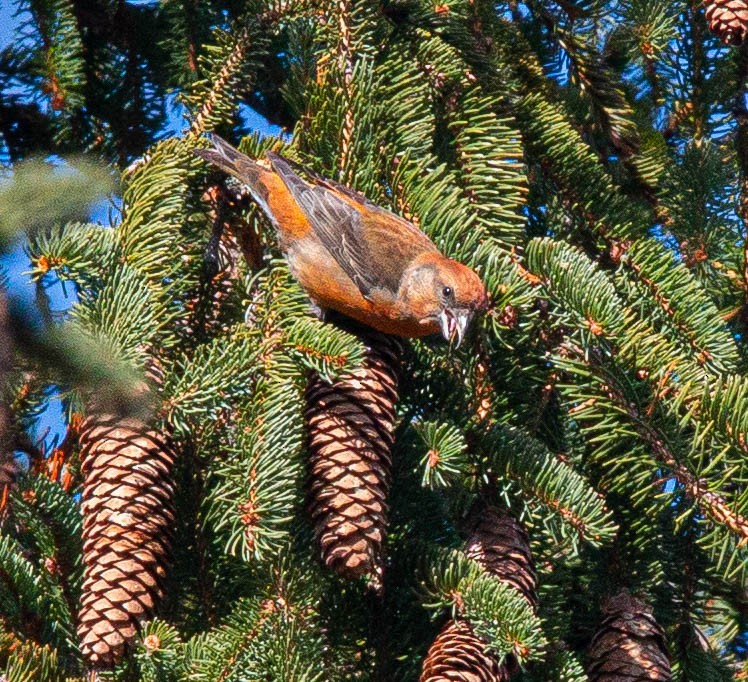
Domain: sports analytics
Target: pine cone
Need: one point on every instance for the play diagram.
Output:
(498, 542)
(728, 19)
(351, 426)
(128, 521)
(629, 645)
(458, 655)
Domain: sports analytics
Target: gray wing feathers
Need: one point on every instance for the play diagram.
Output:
(339, 227)
(288, 174)
(337, 224)
(285, 166)
(289, 171)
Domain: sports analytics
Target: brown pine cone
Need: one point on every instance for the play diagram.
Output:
(728, 19)
(128, 521)
(629, 645)
(458, 655)
(498, 542)
(351, 425)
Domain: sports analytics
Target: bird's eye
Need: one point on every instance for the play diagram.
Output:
(447, 292)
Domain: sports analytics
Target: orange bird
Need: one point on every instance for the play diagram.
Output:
(355, 257)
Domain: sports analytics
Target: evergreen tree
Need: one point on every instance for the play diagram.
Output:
(246, 492)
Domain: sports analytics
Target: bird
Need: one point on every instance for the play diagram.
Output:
(354, 257)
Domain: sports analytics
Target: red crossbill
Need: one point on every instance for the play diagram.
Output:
(355, 257)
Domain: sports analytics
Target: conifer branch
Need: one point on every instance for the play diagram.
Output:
(62, 48)
(702, 352)
(711, 503)
(440, 110)
(219, 85)
(697, 69)
(741, 114)
(345, 66)
(613, 113)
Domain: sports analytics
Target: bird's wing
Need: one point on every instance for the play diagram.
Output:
(371, 245)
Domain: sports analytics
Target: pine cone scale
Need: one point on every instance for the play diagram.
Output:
(351, 430)
(457, 654)
(127, 530)
(728, 19)
(629, 645)
(498, 542)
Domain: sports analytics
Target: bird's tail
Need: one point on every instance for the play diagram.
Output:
(231, 160)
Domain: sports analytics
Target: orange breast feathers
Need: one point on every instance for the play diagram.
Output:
(355, 257)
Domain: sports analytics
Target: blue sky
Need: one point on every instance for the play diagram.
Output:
(7, 22)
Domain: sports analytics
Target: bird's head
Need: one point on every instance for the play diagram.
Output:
(444, 295)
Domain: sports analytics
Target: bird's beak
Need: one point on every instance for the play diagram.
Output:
(454, 322)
